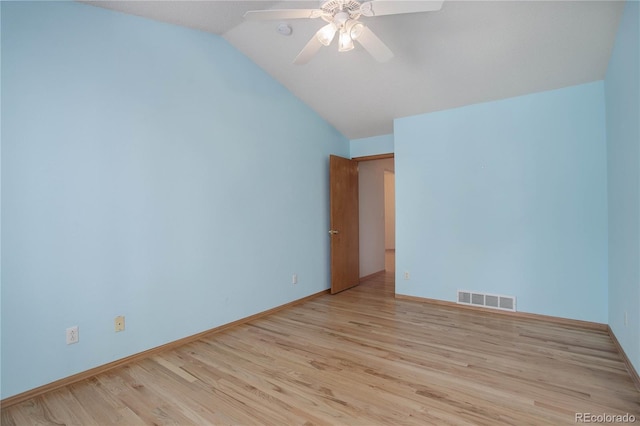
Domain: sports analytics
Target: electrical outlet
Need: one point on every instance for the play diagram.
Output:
(294, 279)
(72, 335)
(119, 323)
(407, 275)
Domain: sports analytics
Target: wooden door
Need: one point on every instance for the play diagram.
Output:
(344, 232)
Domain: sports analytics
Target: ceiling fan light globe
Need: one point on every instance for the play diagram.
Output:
(356, 30)
(345, 42)
(325, 34)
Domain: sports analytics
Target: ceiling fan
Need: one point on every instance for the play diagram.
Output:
(342, 16)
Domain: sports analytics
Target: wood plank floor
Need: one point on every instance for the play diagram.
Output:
(358, 358)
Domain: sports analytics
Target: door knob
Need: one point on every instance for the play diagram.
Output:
(331, 232)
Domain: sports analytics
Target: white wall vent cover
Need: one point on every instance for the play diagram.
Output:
(486, 300)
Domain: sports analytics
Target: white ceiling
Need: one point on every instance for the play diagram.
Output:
(468, 52)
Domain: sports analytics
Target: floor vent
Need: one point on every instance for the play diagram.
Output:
(493, 301)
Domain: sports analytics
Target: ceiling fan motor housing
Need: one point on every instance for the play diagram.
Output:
(332, 8)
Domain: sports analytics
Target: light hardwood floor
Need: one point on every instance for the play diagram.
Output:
(360, 357)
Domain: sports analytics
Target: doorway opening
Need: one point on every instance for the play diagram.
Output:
(376, 193)
(389, 221)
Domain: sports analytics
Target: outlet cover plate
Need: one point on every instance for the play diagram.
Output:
(119, 323)
(73, 335)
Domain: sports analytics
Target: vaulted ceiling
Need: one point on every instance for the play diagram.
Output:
(465, 53)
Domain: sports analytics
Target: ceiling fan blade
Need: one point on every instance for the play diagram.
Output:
(374, 45)
(265, 15)
(308, 52)
(391, 7)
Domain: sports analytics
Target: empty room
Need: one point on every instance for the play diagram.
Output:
(320, 212)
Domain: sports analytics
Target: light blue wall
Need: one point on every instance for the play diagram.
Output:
(507, 197)
(371, 146)
(623, 155)
(149, 171)
(0, 204)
